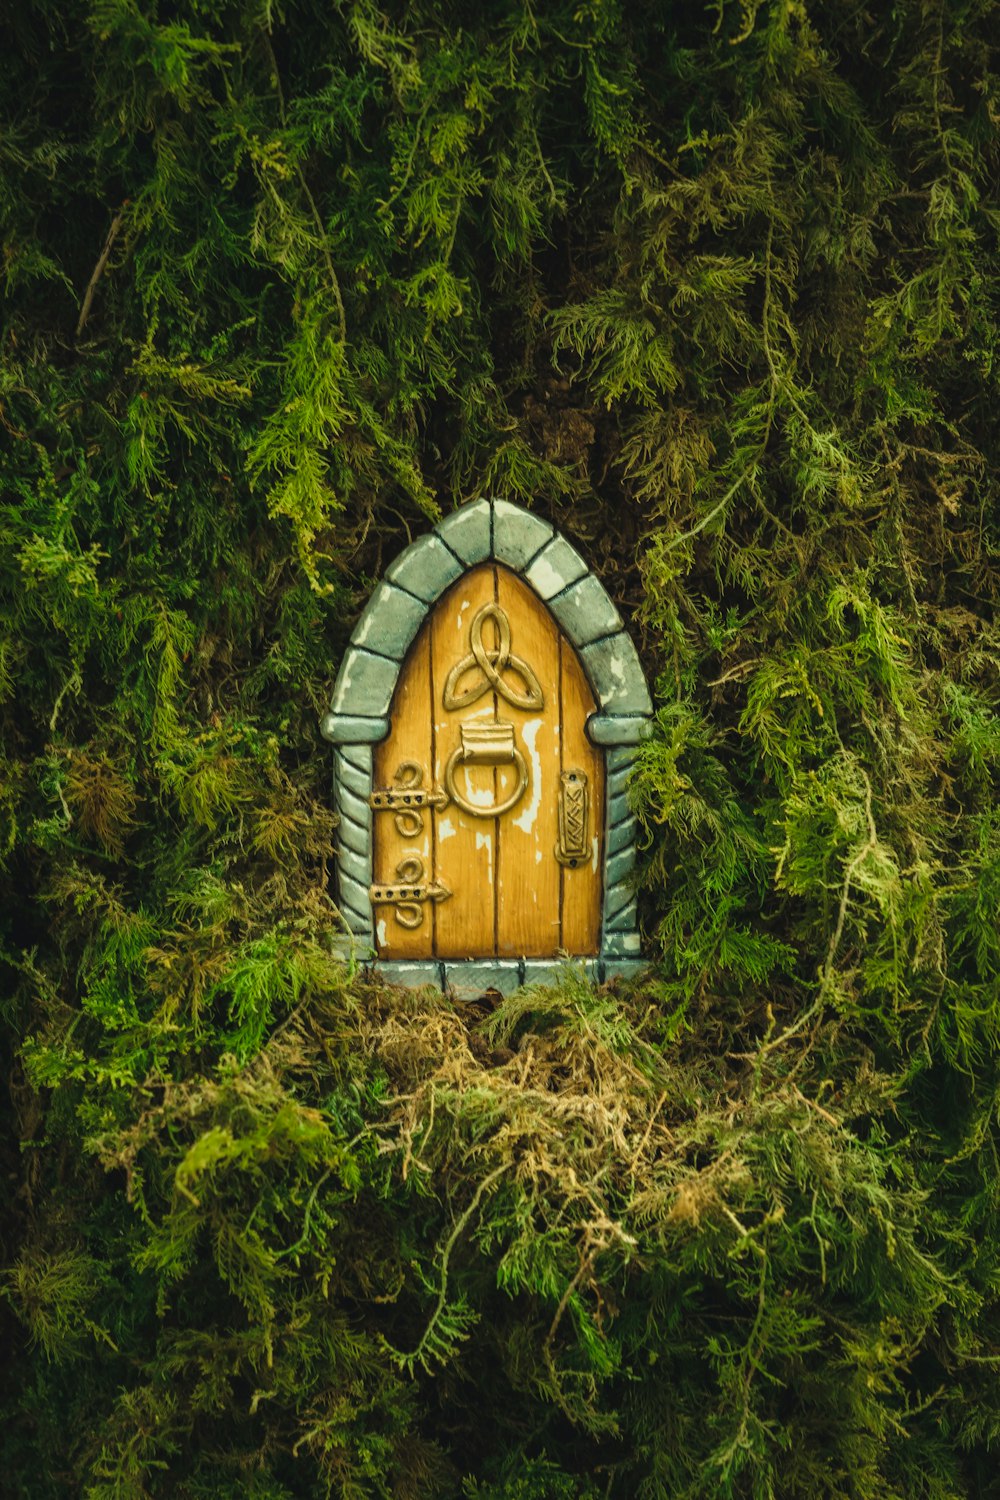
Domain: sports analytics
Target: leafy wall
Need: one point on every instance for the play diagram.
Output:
(714, 288)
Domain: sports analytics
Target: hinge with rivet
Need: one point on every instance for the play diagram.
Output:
(409, 895)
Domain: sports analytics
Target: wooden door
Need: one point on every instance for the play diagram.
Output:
(488, 797)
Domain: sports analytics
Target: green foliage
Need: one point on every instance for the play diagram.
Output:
(714, 289)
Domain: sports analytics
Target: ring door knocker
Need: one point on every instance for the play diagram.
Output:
(486, 745)
(489, 744)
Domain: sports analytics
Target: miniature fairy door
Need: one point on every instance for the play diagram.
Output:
(488, 798)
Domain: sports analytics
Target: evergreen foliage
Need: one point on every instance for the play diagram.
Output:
(715, 288)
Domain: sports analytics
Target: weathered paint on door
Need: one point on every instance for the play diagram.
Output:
(488, 713)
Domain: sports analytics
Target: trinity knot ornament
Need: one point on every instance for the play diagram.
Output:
(486, 719)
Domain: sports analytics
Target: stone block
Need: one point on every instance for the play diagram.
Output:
(620, 866)
(354, 836)
(412, 975)
(362, 950)
(622, 835)
(365, 684)
(616, 898)
(625, 968)
(356, 866)
(390, 622)
(622, 920)
(618, 785)
(585, 612)
(620, 944)
(615, 674)
(619, 760)
(551, 971)
(555, 568)
(353, 808)
(618, 809)
(617, 779)
(517, 535)
(353, 893)
(618, 729)
(426, 569)
(349, 729)
(360, 929)
(360, 757)
(467, 532)
(470, 978)
(358, 782)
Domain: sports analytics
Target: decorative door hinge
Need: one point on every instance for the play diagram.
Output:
(410, 894)
(406, 799)
(574, 803)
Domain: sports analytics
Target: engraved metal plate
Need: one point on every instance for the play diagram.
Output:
(574, 806)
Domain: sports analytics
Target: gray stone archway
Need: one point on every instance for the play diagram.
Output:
(487, 531)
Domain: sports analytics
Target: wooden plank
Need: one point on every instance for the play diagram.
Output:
(581, 887)
(465, 925)
(528, 874)
(409, 740)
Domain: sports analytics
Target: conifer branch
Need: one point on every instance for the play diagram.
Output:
(321, 231)
(429, 1340)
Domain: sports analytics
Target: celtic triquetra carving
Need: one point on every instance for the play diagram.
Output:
(492, 665)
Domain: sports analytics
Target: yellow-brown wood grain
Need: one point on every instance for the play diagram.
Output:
(409, 740)
(581, 886)
(527, 871)
(466, 846)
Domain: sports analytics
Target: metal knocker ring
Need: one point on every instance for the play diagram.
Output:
(460, 756)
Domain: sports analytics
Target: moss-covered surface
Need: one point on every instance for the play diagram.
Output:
(714, 288)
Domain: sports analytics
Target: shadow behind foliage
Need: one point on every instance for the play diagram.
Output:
(714, 290)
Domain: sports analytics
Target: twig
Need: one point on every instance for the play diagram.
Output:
(98, 271)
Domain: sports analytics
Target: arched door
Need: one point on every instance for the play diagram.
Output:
(488, 800)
